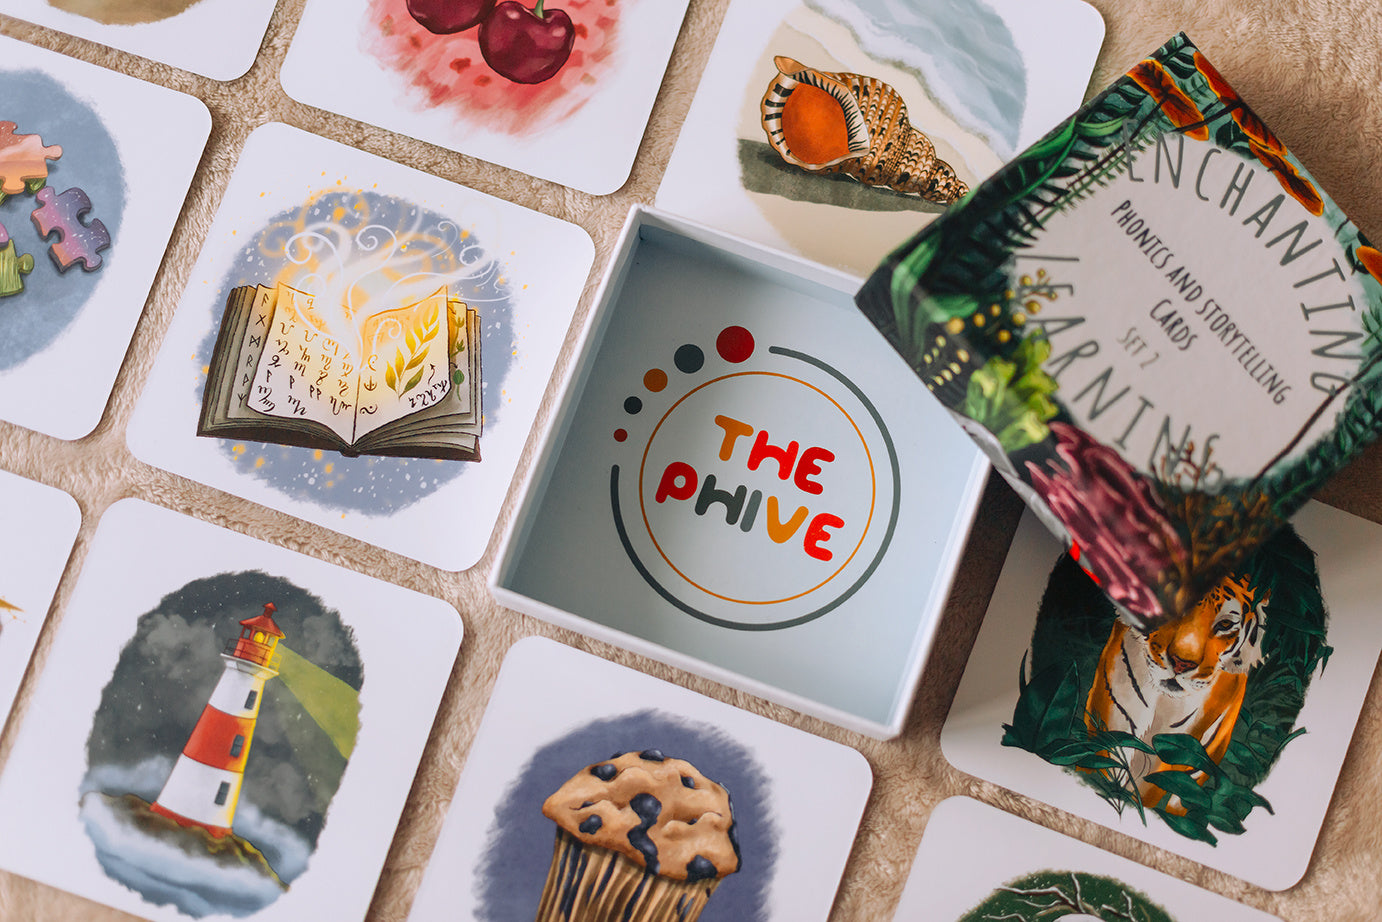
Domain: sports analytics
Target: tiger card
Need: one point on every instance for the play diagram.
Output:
(1218, 735)
(977, 863)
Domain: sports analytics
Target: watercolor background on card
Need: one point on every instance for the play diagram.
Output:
(1069, 895)
(362, 245)
(33, 319)
(449, 71)
(301, 743)
(510, 879)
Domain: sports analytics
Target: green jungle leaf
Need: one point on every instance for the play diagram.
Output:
(1183, 749)
(1108, 739)
(1188, 827)
(413, 381)
(1182, 785)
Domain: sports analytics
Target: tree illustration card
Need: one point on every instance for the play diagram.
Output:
(558, 89)
(978, 863)
(1219, 734)
(91, 185)
(595, 792)
(32, 559)
(833, 129)
(363, 346)
(223, 728)
(215, 38)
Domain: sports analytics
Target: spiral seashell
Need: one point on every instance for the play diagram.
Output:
(847, 123)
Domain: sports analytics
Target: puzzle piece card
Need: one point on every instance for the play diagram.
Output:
(834, 129)
(363, 346)
(560, 90)
(224, 728)
(33, 556)
(215, 38)
(94, 169)
(737, 817)
(1219, 735)
(977, 863)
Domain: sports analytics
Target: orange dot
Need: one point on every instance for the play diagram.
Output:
(655, 380)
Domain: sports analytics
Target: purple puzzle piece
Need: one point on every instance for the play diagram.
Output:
(4, 236)
(62, 212)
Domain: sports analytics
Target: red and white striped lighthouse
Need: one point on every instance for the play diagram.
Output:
(204, 786)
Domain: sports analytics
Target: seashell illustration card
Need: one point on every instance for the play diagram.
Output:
(41, 526)
(834, 129)
(1218, 735)
(215, 38)
(977, 862)
(223, 728)
(596, 792)
(557, 89)
(363, 346)
(94, 169)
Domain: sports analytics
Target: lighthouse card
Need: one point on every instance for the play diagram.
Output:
(557, 89)
(223, 727)
(215, 38)
(834, 129)
(743, 481)
(362, 346)
(41, 526)
(94, 168)
(1218, 735)
(978, 863)
(596, 792)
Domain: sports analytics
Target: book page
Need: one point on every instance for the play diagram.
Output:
(302, 373)
(407, 368)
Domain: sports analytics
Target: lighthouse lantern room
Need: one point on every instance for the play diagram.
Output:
(204, 785)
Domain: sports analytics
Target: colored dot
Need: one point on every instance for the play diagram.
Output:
(735, 344)
(620, 435)
(655, 380)
(689, 359)
(633, 405)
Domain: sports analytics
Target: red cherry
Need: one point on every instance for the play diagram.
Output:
(526, 46)
(447, 16)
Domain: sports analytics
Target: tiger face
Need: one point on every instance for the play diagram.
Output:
(1221, 634)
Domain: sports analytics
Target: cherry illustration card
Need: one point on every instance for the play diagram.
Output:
(834, 129)
(33, 556)
(978, 863)
(595, 792)
(215, 38)
(557, 89)
(1218, 735)
(223, 728)
(362, 346)
(90, 188)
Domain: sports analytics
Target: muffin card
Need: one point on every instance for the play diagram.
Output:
(1219, 735)
(795, 138)
(558, 89)
(363, 346)
(94, 168)
(223, 728)
(977, 863)
(32, 558)
(595, 792)
(215, 38)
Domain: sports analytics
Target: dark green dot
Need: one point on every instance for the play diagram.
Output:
(633, 405)
(689, 359)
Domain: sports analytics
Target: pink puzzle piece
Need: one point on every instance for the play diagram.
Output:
(62, 213)
(22, 158)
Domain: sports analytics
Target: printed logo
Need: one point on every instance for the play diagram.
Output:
(758, 487)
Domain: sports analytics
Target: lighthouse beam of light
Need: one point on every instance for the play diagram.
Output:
(332, 704)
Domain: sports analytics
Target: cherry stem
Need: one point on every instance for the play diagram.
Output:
(537, 10)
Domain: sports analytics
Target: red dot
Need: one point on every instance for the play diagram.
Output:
(620, 435)
(735, 344)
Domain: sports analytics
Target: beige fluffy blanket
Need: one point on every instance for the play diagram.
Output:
(1312, 68)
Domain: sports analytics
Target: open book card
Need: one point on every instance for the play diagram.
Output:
(977, 862)
(223, 727)
(560, 90)
(42, 524)
(834, 129)
(94, 168)
(1219, 735)
(363, 346)
(741, 818)
(215, 38)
